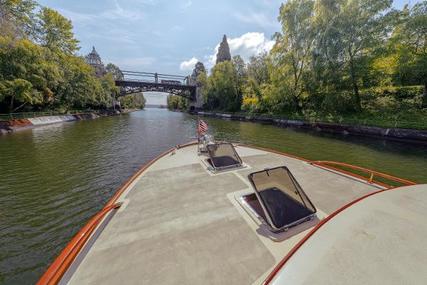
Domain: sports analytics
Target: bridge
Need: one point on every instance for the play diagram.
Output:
(136, 82)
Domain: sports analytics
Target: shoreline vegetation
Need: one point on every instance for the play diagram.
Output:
(383, 132)
(345, 62)
(41, 70)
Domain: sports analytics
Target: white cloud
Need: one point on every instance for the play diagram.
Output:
(188, 65)
(246, 45)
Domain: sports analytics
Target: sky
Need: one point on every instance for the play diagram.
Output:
(170, 36)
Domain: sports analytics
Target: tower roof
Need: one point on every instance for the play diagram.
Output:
(93, 57)
(223, 51)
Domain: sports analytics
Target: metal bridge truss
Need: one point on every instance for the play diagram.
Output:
(136, 82)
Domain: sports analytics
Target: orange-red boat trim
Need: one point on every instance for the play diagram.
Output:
(327, 164)
(372, 173)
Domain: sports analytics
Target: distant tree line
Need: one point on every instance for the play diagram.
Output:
(133, 101)
(175, 102)
(331, 58)
(39, 68)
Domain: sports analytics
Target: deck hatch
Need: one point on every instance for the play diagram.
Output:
(223, 156)
(283, 201)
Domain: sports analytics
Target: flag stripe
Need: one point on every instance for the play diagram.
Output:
(202, 127)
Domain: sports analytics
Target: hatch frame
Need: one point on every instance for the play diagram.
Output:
(267, 213)
(221, 168)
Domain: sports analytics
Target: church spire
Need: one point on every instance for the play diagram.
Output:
(223, 51)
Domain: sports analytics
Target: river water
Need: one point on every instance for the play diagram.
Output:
(52, 179)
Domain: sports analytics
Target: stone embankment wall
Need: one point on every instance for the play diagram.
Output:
(22, 124)
(419, 136)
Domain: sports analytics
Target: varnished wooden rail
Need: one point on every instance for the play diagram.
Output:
(333, 165)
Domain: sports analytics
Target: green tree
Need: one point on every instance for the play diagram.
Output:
(292, 52)
(19, 90)
(241, 72)
(109, 90)
(56, 32)
(202, 82)
(175, 102)
(257, 68)
(410, 42)
(257, 79)
(223, 88)
(133, 101)
(17, 18)
(24, 73)
(39, 70)
(81, 88)
(115, 71)
(348, 34)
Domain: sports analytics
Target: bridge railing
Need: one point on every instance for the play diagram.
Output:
(154, 77)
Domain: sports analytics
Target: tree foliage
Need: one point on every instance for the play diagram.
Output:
(115, 71)
(38, 66)
(410, 47)
(56, 32)
(223, 88)
(133, 101)
(175, 102)
(17, 18)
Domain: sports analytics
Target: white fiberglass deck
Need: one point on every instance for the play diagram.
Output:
(181, 224)
(379, 240)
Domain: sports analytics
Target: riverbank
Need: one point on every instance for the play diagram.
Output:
(15, 125)
(401, 134)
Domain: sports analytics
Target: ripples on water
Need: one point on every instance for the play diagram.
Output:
(52, 179)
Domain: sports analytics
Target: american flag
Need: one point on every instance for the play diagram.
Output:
(202, 127)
